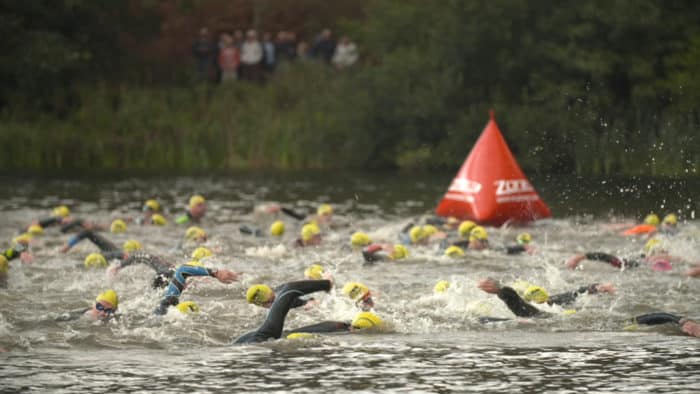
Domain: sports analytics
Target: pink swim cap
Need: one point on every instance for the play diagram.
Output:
(661, 266)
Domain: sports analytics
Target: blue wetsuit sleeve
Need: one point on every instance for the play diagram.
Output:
(177, 285)
(70, 226)
(76, 239)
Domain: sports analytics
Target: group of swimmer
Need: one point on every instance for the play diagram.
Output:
(450, 236)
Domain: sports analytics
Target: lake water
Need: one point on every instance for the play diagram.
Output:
(430, 342)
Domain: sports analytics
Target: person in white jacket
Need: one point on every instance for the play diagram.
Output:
(345, 53)
(251, 57)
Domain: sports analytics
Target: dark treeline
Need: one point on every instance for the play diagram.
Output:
(588, 87)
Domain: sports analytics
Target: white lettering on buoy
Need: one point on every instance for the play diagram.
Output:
(466, 186)
(506, 187)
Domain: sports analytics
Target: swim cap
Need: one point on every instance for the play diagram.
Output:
(300, 335)
(366, 320)
(158, 220)
(653, 246)
(520, 286)
(324, 210)
(671, 219)
(399, 252)
(536, 293)
(35, 229)
(131, 245)
(454, 251)
(259, 294)
(4, 264)
(441, 286)
(187, 307)
(356, 291)
(465, 228)
(196, 200)
(118, 226)
(61, 211)
(201, 252)
(652, 219)
(416, 233)
(478, 233)
(95, 260)
(451, 222)
(314, 272)
(661, 266)
(524, 238)
(309, 231)
(151, 205)
(277, 228)
(22, 239)
(195, 233)
(429, 230)
(360, 239)
(195, 263)
(109, 296)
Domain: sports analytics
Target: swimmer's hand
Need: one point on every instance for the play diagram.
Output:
(690, 327)
(489, 285)
(329, 277)
(529, 249)
(693, 272)
(226, 276)
(606, 288)
(310, 304)
(64, 249)
(574, 261)
(26, 257)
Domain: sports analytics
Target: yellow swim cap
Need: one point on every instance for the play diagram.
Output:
(399, 252)
(118, 226)
(478, 233)
(465, 228)
(131, 245)
(653, 246)
(356, 291)
(366, 320)
(417, 234)
(524, 238)
(95, 260)
(259, 295)
(195, 233)
(61, 211)
(671, 219)
(158, 220)
(195, 263)
(429, 230)
(196, 200)
(652, 219)
(536, 294)
(360, 239)
(277, 228)
(454, 251)
(4, 264)
(314, 272)
(201, 252)
(35, 229)
(109, 296)
(441, 286)
(151, 205)
(309, 231)
(451, 222)
(324, 210)
(300, 335)
(22, 239)
(187, 307)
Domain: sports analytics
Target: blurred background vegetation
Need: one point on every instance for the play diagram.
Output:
(593, 87)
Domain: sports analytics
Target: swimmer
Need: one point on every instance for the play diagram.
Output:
(264, 296)
(276, 230)
(448, 224)
(378, 252)
(61, 217)
(178, 282)
(655, 256)
(108, 249)
(521, 308)
(164, 269)
(273, 325)
(196, 209)
(360, 294)
(687, 326)
(421, 235)
(151, 214)
(363, 320)
(310, 235)
(19, 249)
(669, 225)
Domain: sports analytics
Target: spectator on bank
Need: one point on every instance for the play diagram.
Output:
(229, 59)
(285, 47)
(345, 53)
(269, 55)
(324, 47)
(203, 53)
(303, 53)
(238, 39)
(251, 57)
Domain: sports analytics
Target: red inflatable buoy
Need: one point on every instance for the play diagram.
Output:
(490, 187)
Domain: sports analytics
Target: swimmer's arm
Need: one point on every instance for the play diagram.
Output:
(516, 249)
(76, 239)
(71, 225)
(655, 318)
(50, 221)
(461, 244)
(517, 305)
(292, 213)
(694, 271)
(371, 253)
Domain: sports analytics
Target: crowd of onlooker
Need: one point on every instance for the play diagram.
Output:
(239, 56)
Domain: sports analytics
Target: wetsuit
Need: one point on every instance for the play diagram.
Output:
(177, 285)
(373, 253)
(655, 318)
(164, 269)
(51, 221)
(14, 252)
(569, 297)
(325, 327)
(274, 322)
(612, 260)
(109, 250)
(248, 230)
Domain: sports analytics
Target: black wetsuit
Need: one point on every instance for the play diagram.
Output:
(655, 318)
(326, 327)
(284, 299)
(108, 249)
(164, 269)
(571, 296)
(14, 252)
(56, 220)
(612, 260)
(373, 253)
